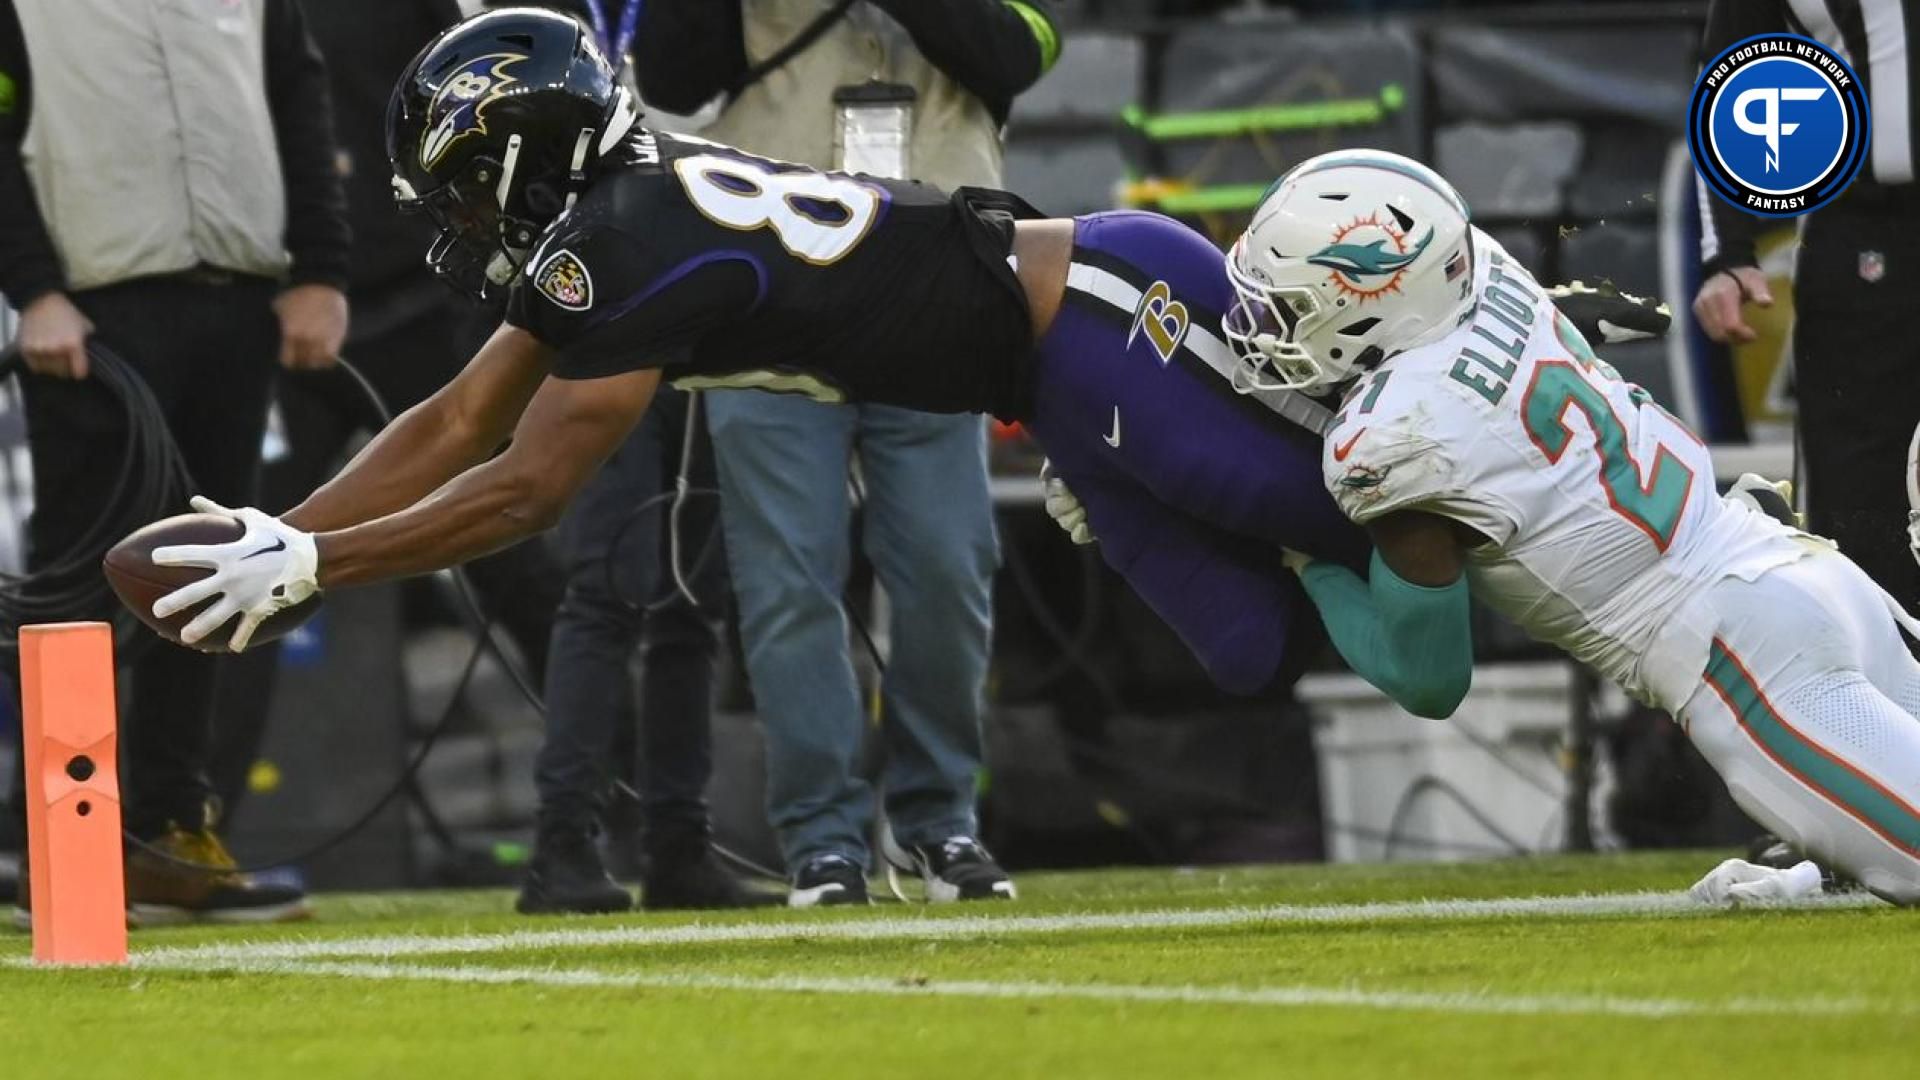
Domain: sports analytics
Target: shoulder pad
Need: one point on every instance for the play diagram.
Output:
(1380, 457)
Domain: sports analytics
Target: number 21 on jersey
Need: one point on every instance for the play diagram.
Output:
(1656, 505)
(818, 217)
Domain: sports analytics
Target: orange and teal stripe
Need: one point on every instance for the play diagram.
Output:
(1853, 791)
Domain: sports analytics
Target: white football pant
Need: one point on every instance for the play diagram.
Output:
(1808, 711)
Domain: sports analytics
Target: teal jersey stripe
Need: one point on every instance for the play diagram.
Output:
(1043, 32)
(1879, 809)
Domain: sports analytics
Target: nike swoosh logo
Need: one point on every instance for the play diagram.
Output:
(278, 545)
(1113, 440)
(1341, 450)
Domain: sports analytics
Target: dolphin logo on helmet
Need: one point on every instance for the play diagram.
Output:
(1367, 260)
(1333, 275)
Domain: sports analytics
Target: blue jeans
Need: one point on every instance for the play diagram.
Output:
(782, 462)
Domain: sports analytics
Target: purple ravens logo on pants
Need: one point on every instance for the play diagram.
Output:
(459, 107)
(1195, 503)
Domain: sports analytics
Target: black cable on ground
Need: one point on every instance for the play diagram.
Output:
(149, 482)
(1072, 644)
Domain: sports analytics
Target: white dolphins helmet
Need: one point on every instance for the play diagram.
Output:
(1913, 494)
(1351, 256)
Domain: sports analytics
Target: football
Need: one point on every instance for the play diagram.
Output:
(138, 581)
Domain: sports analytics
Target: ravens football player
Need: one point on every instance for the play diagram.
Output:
(630, 256)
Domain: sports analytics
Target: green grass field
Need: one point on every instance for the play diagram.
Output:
(1603, 970)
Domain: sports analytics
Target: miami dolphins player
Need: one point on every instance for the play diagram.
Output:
(1487, 451)
(630, 256)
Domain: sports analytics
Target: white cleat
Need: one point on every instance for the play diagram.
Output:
(1739, 883)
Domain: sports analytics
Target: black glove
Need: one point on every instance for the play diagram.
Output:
(1607, 316)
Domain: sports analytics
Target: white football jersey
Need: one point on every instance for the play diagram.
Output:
(1600, 506)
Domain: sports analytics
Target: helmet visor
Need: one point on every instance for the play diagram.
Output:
(1264, 326)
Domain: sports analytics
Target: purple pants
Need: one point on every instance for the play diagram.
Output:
(1192, 488)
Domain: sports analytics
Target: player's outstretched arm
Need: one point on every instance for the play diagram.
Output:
(1406, 628)
(434, 441)
(567, 431)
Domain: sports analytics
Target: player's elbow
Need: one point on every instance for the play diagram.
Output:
(1432, 696)
(1435, 700)
(529, 506)
(540, 511)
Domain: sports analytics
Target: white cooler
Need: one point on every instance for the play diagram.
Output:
(1487, 783)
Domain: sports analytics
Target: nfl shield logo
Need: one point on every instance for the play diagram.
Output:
(1873, 266)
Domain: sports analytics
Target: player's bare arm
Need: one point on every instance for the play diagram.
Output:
(567, 430)
(565, 434)
(1422, 549)
(1042, 252)
(436, 440)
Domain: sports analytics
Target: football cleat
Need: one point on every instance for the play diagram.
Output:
(827, 881)
(1738, 883)
(958, 868)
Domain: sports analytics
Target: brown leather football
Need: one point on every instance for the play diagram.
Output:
(138, 581)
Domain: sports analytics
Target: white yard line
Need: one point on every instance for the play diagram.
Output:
(930, 927)
(1462, 1002)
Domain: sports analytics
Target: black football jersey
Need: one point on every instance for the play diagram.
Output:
(727, 269)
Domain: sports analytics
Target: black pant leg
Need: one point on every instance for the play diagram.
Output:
(220, 343)
(521, 588)
(610, 558)
(1857, 378)
(682, 640)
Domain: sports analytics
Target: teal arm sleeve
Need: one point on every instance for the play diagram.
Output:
(1413, 642)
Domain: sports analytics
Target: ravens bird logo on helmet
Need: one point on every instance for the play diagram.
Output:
(459, 108)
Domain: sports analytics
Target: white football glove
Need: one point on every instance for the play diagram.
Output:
(1738, 882)
(1773, 498)
(272, 566)
(1064, 508)
(1607, 316)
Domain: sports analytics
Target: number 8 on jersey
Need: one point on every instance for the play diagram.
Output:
(819, 217)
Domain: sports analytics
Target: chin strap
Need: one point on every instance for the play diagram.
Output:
(504, 264)
(508, 165)
(577, 167)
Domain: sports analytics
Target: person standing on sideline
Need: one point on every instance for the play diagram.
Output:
(620, 541)
(913, 89)
(1856, 365)
(622, 591)
(200, 240)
